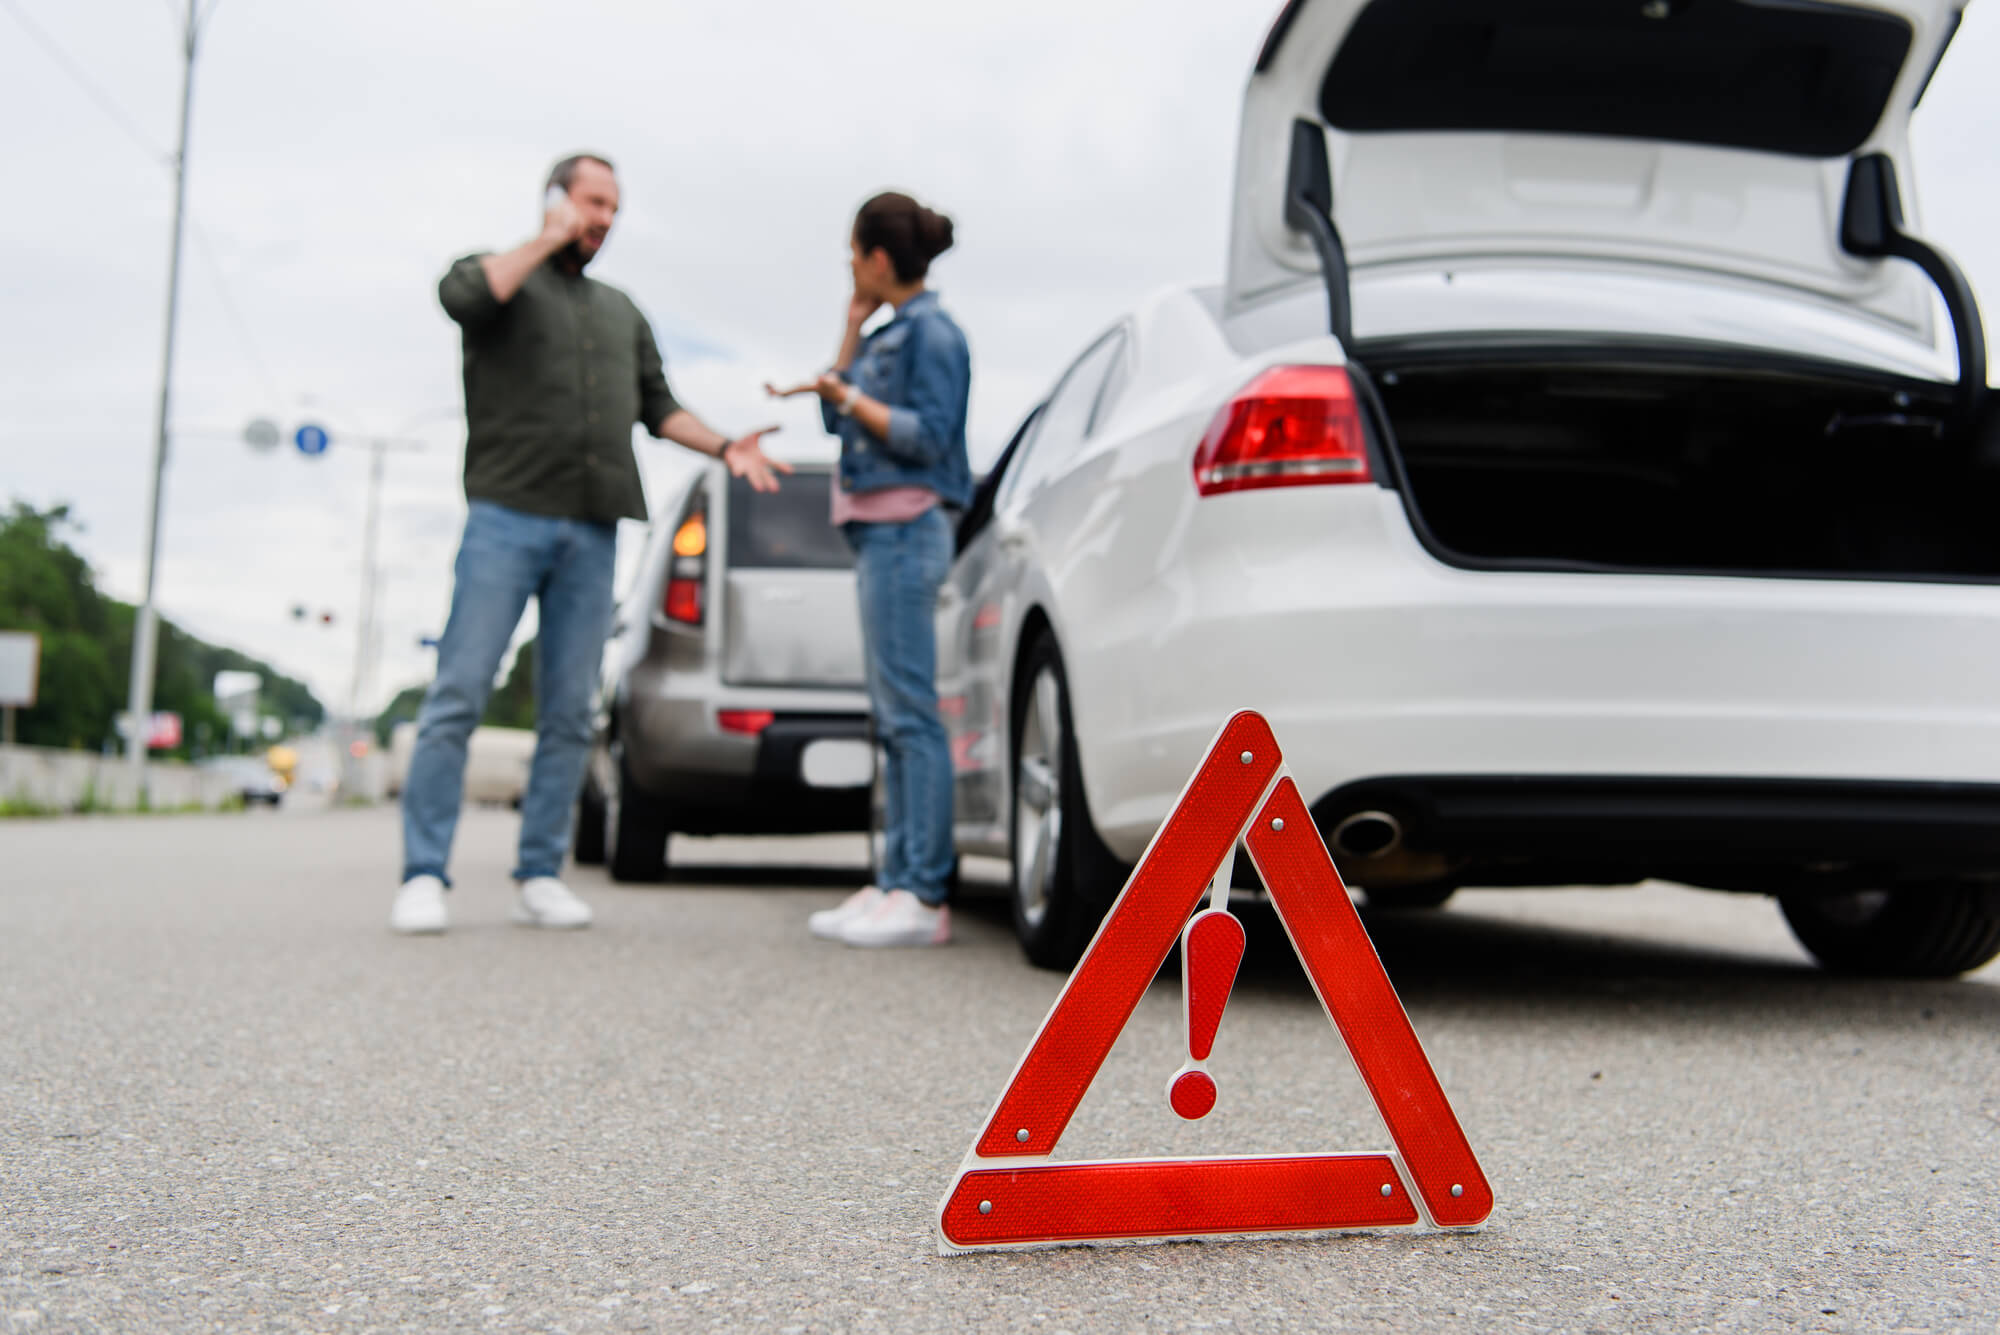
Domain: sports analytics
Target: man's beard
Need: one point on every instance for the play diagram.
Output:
(574, 257)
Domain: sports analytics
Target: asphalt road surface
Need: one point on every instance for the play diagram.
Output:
(231, 1100)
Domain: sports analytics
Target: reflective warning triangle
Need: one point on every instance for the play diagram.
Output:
(1009, 1193)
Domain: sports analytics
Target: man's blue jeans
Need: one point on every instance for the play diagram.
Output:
(506, 558)
(899, 568)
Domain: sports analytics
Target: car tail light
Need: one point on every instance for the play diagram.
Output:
(1293, 426)
(749, 722)
(688, 574)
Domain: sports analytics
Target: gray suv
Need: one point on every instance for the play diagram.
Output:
(733, 698)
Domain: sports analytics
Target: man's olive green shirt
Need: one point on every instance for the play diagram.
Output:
(554, 380)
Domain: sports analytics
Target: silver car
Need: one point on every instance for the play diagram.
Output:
(733, 699)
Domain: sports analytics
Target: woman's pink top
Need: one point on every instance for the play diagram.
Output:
(891, 505)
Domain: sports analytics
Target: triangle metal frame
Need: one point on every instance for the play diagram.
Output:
(1009, 1193)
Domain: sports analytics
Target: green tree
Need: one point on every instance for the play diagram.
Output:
(47, 587)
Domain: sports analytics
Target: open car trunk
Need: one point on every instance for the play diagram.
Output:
(1657, 460)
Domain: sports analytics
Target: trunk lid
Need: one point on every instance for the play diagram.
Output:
(1712, 135)
(789, 611)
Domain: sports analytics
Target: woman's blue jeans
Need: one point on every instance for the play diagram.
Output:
(506, 558)
(899, 569)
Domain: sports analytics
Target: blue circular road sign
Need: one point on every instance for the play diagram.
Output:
(311, 440)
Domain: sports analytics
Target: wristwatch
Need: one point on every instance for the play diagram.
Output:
(848, 400)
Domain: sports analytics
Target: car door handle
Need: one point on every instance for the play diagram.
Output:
(1014, 541)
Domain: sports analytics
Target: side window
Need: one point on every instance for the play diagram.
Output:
(1066, 419)
(1114, 386)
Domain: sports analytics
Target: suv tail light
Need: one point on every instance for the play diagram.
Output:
(1293, 426)
(687, 576)
(749, 722)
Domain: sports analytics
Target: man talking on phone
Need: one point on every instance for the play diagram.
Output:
(558, 368)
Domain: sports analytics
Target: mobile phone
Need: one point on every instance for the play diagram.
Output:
(553, 197)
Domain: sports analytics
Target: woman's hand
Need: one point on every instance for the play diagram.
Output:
(859, 308)
(829, 387)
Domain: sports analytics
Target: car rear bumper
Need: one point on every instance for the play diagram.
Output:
(1736, 834)
(725, 782)
(1372, 659)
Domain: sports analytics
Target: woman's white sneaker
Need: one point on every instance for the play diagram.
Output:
(547, 902)
(419, 907)
(900, 919)
(827, 923)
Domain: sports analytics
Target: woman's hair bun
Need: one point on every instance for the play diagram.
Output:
(934, 232)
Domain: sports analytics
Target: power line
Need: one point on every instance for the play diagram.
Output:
(83, 81)
(252, 352)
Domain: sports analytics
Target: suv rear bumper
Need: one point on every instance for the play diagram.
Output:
(1772, 835)
(721, 782)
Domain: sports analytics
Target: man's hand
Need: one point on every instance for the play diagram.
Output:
(829, 387)
(745, 458)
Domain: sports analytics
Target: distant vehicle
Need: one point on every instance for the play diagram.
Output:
(496, 765)
(254, 779)
(402, 745)
(1578, 479)
(733, 698)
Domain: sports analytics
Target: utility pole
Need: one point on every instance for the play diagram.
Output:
(364, 646)
(366, 638)
(146, 628)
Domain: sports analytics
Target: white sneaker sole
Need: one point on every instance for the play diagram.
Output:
(417, 929)
(904, 941)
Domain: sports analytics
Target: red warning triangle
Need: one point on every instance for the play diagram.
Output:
(1008, 1193)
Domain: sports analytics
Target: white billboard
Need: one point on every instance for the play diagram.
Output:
(20, 665)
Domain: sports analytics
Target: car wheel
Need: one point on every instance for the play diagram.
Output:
(1400, 897)
(1920, 931)
(588, 848)
(1064, 879)
(635, 829)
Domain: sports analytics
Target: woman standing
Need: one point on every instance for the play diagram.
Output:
(897, 400)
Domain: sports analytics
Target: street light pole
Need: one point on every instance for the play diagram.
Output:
(364, 645)
(145, 628)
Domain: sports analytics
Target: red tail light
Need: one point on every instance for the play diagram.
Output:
(749, 721)
(684, 601)
(689, 571)
(1293, 426)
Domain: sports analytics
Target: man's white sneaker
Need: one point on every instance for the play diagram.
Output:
(547, 902)
(419, 907)
(900, 919)
(826, 923)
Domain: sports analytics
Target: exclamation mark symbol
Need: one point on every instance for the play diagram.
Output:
(1211, 952)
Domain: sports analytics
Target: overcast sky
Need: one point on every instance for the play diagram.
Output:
(344, 153)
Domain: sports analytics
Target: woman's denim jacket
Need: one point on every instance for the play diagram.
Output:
(919, 366)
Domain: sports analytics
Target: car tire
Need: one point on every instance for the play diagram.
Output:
(1062, 878)
(588, 847)
(635, 830)
(1917, 931)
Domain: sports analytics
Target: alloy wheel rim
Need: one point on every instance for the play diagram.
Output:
(1038, 800)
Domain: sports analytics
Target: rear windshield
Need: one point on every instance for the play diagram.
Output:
(1784, 76)
(789, 529)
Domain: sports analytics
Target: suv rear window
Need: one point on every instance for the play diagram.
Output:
(1801, 78)
(789, 529)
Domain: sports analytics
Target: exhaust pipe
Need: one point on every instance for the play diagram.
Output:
(1367, 835)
